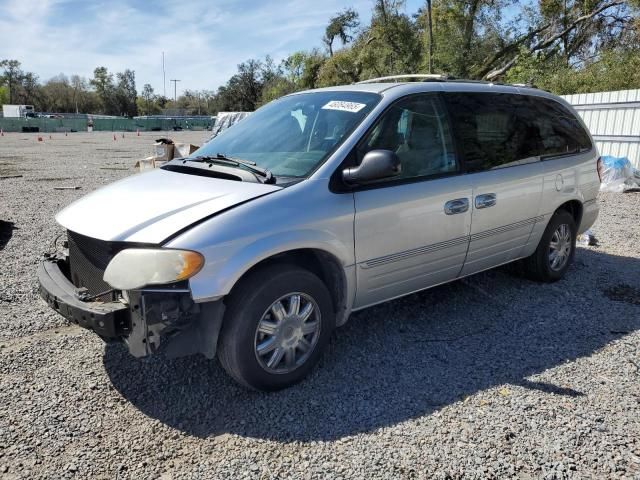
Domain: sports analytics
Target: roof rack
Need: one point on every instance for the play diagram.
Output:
(438, 77)
(425, 77)
(525, 85)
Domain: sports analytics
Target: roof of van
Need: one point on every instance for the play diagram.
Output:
(399, 89)
(438, 86)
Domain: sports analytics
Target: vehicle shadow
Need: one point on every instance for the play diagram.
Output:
(6, 232)
(404, 359)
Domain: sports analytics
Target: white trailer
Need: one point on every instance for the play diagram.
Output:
(17, 111)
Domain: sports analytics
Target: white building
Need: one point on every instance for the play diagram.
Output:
(614, 121)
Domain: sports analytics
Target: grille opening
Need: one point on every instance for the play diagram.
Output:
(88, 259)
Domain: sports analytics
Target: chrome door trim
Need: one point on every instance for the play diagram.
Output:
(506, 228)
(375, 262)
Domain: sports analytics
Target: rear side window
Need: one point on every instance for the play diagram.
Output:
(501, 130)
(560, 130)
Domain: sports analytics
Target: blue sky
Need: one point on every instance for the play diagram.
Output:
(203, 40)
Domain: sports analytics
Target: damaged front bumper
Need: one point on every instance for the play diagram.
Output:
(150, 321)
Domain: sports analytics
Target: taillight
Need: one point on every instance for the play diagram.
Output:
(600, 168)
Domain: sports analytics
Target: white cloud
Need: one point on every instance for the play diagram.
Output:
(203, 40)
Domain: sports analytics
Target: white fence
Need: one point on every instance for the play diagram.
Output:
(614, 121)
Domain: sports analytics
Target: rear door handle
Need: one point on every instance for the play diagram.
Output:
(459, 205)
(485, 200)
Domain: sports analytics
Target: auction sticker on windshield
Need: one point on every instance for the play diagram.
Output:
(344, 106)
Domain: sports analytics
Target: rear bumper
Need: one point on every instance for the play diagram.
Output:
(110, 320)
(589, 215)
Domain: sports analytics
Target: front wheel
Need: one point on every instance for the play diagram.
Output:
(278, 321)
(555, 251)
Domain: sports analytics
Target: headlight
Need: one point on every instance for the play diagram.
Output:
(137, 267)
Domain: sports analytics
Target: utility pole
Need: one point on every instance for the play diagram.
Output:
(430, 37)
(175, 89)
(164, 79)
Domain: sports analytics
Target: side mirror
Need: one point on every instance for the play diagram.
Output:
(375, 165)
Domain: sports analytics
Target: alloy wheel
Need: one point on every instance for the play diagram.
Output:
(287, 333)
(560, 247)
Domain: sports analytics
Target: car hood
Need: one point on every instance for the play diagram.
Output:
(150, 207)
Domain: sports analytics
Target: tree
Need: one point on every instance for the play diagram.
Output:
(126, 94)
(30, 89)
(58, 95)
(617, 69)
(429, 14)
(12, 77)
(243, 90)
(83, 99)
(458, 34)
(390, 45)
(302, 68)
(103, 83)
(147, 104)
(341, 26)
(570, 33)
(565, 46)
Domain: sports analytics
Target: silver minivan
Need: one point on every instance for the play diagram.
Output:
(319, 204)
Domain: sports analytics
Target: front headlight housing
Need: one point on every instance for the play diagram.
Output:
(136, 267)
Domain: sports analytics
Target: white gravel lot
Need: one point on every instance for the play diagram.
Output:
(494, 376)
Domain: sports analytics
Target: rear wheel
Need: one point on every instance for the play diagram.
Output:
(555, 251)
(277, 323)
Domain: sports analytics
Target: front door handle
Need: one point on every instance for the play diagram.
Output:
(485, 200)
(459, 205)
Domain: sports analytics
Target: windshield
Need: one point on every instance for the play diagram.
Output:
(294, 134)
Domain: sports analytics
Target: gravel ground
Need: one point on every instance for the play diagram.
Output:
(490, 377)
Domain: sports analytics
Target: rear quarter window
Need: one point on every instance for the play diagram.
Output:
(560, 130)
(497, 130)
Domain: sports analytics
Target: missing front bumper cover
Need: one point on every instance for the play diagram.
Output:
(166, 321)
(173, 324)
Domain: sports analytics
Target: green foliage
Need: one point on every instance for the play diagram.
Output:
(565, 46)
(126, 94)
(12, 78)
(303, 68)
(612, 70)
(341, 26)
(103, 84)
(391, 44)
(147, 102)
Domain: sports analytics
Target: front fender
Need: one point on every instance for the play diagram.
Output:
(219, 276)
(304, 216)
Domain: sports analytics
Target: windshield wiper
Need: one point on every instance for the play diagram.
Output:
(221, 158)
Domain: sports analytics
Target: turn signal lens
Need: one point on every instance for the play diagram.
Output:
(137, 267)
(192, 263)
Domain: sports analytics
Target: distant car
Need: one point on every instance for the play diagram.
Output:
(319, 204)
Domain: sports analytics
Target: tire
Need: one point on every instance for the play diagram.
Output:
(539, 266)
(249, 306)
